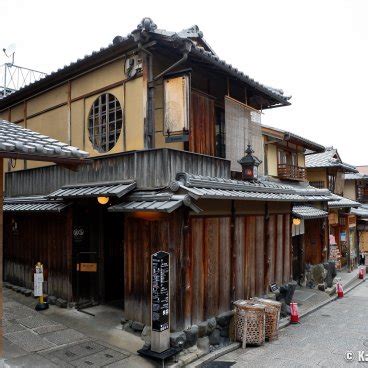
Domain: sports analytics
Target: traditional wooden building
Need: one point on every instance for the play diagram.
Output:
(165, 122)
(285, 154)
(327, 170)
(356, 189)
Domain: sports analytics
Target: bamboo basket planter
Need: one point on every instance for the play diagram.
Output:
(272, 317)
(249, 322)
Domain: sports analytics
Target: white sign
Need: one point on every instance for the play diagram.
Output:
(38, 277)
(38, 280)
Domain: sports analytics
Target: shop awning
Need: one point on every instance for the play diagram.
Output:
(308, 212)
(33, 204)
(342, 202)
(161, 202)
(89, 190)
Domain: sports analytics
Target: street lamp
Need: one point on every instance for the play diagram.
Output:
(249, 164)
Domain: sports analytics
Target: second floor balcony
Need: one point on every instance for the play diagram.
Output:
(291, 172)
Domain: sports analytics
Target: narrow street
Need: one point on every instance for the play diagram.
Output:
(323, 339)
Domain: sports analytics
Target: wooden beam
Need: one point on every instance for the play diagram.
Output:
(279, 256)
(188, 254)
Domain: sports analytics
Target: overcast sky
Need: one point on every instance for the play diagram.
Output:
(315, 50)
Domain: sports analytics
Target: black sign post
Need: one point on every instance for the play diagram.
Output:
(160, 300)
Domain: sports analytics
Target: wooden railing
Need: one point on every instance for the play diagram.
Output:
(293, 172)
(153, 168)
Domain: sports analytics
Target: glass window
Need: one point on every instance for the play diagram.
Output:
(105, 121)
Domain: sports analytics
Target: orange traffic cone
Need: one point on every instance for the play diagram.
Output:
(294, 313)
(362, 273)
(340, 290)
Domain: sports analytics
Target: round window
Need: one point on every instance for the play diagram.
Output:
(105, 122)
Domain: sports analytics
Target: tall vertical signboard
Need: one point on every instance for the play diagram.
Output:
(160, 300)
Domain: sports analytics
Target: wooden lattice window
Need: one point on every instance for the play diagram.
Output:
(105, 121)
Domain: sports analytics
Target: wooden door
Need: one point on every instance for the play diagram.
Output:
(313, 241)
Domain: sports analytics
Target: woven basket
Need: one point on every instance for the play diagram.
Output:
(249, 317)
(272, 316)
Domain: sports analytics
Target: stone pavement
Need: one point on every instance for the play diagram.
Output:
(308, 299)
(321, 340)
(33, 339)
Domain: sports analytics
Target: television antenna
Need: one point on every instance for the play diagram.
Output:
(10, 53)
(16, 77)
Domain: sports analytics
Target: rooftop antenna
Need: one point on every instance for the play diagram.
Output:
(16, 77)
(10, 53)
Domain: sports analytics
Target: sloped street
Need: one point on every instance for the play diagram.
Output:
(334, 336)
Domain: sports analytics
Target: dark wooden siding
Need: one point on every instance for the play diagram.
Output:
(202, 124)
(254, 262)
(211, 266)
(45, 238)
(210, 269)
(150, 168)
(142, 238)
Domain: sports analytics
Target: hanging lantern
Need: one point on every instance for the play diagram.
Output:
(249, 164)
(103, 200)
(296, 221)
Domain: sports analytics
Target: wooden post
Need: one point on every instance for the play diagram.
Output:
(266, 236)
(25, 125)
(232, 253)
(188, 270)
(69, 252)
(69, 112)
(279, 249)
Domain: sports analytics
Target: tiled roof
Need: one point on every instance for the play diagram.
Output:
(356, 176)
(360, 212)
(17, 140)
(264, 190)
(105, 189)
(33, 204)
(342, 202)
(193, 35)
(153, 202)
(329, 158)
(146, 206)
(197, 193)
(288, 136)
(308, 212)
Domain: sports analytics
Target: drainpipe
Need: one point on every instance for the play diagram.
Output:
(183, 59)
(150, 133)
